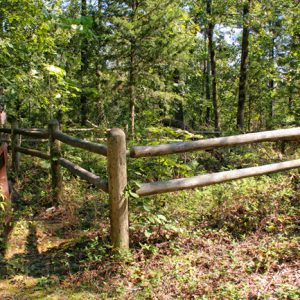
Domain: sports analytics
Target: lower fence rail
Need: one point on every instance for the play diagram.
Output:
(33, 152)
(153, 188)
(84, 174)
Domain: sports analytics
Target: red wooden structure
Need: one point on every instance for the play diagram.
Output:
(4, 187)
(3, 174)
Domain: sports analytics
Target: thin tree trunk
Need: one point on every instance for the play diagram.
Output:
(243, 67)
(271, 81)
(100, 117)
(83, 70)
(290, 99)
(132, 77)
(1, 22)
(99, 5)
(271, 112)
(211, 50)
(178, 114)
(132, 96)
(206, 72)
(250, 112)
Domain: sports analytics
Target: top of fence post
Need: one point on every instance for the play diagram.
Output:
(53, 124)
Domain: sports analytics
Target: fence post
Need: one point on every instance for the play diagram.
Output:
(117, 181)
(15, 142)
(55, 153)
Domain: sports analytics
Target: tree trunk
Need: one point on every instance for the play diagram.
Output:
(211, 50)
(1, 22)
(250, 112)
(83, 70)
(206, 72)
(98, 23)
(271, 113)
(178, 114)
(290, 99)
(243, 67)
(100, 5)
(132, 76)
(132, 96)
(271, 81)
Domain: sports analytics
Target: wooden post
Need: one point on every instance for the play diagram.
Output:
(117, 181)
(15, 142)
(55, 154)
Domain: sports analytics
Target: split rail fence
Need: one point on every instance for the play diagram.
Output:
(117, 155)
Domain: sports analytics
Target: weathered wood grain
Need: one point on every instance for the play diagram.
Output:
(92, 147)
(33, 152)
(84, 174)
(33, 132)
(249, 138)
(209, 179)
(117, 181)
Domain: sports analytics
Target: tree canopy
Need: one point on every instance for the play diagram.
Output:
(205, 63)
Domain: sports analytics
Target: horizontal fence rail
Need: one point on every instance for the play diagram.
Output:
(71, 130)
(5, 130)
(36, 133)
(33, 152)
(84, 174)
(4, 140)
(75, 142)
(152, 188)
(249, 138)
(35, 140)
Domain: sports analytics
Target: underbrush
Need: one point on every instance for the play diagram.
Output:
(238, 240)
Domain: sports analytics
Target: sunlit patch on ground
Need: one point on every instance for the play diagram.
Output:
(17, 239)
(46, 237)
(11, 288)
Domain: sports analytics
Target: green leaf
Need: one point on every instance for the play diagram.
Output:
(147, 234)
(133, 195)
(54, 70)
(162, 218)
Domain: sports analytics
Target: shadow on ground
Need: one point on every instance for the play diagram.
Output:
(63, 260)
(66, 258)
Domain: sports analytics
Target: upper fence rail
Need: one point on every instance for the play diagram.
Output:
(165, 149)
(43, 133)
(32, 132)
(90, 146)
(207, 144)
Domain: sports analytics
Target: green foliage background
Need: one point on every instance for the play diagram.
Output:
(53, 52)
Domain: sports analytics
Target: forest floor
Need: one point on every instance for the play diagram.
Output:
(238, 240)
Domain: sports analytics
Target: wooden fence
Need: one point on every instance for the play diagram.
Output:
(117, 155)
